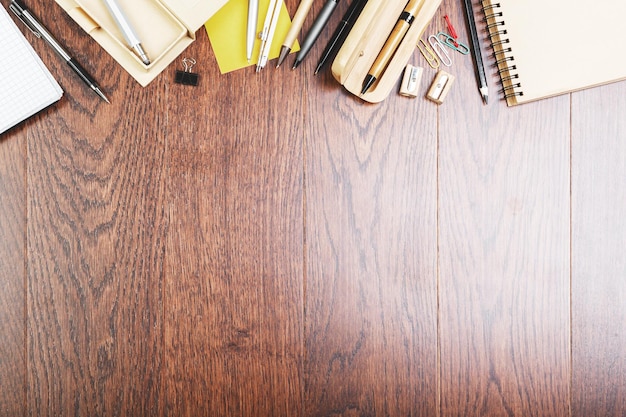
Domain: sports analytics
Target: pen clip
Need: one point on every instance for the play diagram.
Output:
(20, 15)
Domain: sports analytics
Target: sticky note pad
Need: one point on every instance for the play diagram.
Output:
(227, 33)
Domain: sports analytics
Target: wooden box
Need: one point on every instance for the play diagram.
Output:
(366, 39)
(165, 27)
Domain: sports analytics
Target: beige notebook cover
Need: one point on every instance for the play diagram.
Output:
(165, 27)
(546, 48)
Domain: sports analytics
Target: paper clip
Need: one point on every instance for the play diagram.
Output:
(440, 50)
(428, 54)
(451, 29)
(187, 77)
(451, 43)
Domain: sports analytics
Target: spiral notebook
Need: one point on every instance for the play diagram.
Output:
(545, 48)
(26, 85)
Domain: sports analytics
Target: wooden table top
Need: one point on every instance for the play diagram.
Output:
(269, 245)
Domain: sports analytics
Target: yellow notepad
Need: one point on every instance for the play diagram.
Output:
(551, 47)
(227, 32)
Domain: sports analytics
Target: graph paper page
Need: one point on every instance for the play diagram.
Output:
(26, 85)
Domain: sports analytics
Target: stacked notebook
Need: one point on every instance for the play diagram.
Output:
(26, 85)
(544, 48)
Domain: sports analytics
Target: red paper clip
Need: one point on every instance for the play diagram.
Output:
(451, 30)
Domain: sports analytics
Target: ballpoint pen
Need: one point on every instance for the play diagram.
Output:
(267, 35)
(478, 59)
(314, 32)
(40, 31)
(253, 14)
(393, 41)
(348, 20)
(127, 30)
(294, 29)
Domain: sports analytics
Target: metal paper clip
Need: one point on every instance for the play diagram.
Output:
(451, 28)
(440, 50)
(452, 43)
(428, 54)
(187, 77)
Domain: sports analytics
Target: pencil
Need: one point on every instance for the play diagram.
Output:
(478, 59)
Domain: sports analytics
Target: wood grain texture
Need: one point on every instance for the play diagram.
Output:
(12, 269)
(598, 263)
(96, 244)
(503, 253)
(234, 289)
(371, 256)
(267, 245)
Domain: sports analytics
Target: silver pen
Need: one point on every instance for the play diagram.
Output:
(127, 30)
(40, 31)
(267, 34)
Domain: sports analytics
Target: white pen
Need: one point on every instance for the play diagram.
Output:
(267, 35)
(129, 34)
(253, 12)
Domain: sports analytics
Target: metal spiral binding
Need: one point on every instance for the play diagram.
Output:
(500, 42)
(504, 59)
(495, 53)
(510, 77)
(492, 16)
(490, 6)
(495, 24)
(503, 55)
(509, 90)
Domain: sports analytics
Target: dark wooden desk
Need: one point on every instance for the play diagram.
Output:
(267, 245)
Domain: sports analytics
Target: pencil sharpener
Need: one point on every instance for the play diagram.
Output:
(440, 87)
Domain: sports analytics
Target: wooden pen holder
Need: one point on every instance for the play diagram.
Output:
(366, 39)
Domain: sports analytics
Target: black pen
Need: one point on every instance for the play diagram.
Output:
(314, 32)
(40, 31)
(341, 33)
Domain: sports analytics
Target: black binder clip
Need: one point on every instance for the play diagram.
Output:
(187, 77)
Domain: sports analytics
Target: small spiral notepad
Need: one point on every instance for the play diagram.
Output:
(26, 85)
(544, 48)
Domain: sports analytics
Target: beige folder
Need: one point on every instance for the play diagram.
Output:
(165, 28)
